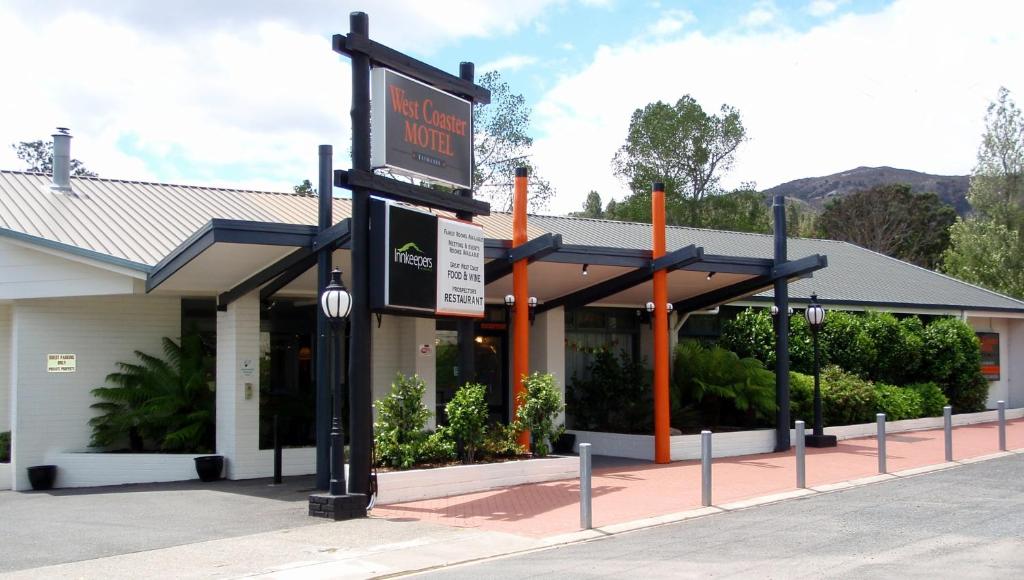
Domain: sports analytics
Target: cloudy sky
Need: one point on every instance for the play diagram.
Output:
(240, 93)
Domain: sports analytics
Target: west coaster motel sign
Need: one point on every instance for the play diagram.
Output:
(419, 130)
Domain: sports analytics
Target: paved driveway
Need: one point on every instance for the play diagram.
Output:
(959, 523)
(66, 525)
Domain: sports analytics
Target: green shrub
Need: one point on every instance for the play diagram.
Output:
(437, 447)
(897, 347)
(539, 405)
(401, 417)
(725, 387)
(5, 447)
(751, 334)
(801, 398)
(846, 399)
(846, 343)
(500, 441)
(898, 403)
(616, 397)
(467, 417)
(952, 359)
(932, 398)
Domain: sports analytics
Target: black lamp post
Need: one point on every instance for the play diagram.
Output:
(336, 303)
(815, 315)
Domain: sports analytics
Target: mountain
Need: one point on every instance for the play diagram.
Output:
(817, 191)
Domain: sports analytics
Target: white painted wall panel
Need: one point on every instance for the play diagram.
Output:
(396, 346)
(238, 418)
(5, 368)
(28, 273)
(51, 411)
(1015, 364)
(998, 390)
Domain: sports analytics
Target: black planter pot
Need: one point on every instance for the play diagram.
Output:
(209, 467)
(564, 443)
(42, 476)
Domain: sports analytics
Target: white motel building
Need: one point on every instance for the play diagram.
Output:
(94, 269)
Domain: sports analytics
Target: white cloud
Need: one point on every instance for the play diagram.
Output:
(670, 22)
(822, 8)
(508, 63)
(905, 87)
(762, 14)
(207, 90)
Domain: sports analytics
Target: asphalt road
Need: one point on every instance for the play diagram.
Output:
(67, 525)
(966, 522)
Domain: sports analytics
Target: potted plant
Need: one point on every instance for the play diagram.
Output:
(42, 477)
(209, 467)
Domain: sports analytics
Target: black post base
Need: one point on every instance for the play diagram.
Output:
(337, 507)
(820, 440)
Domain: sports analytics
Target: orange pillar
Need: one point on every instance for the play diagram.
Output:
(521, 311)
(662, 452)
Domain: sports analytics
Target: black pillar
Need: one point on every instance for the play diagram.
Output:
(325, 220)
(781, 330)
(466, 326)
(360, 395)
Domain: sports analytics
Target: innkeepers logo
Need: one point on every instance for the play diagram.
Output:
(416, 260)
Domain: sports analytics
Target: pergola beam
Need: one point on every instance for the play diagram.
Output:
(535, 249)
(671, 261)
(326, 241)
(787, 270)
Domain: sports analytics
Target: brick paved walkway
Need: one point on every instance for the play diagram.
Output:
(637, 491)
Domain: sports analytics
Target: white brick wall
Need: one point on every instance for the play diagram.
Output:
(238, 418)
(547, 348)
(51, 411)
(396, 348)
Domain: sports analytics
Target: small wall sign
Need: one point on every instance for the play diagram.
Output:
(247, 367)
(60, 363)
(989, 355)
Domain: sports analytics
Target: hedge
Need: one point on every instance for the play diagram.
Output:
(874, 346)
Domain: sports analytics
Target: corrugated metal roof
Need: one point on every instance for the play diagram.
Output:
(141, 223)
(854, 275)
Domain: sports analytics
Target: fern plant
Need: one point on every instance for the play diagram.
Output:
(166, 401)
(721, 383)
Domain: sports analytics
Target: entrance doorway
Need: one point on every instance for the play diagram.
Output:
(491, 362)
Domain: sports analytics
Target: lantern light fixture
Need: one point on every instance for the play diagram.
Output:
(335, 300)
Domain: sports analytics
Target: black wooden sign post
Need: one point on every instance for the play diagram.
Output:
(442, 130)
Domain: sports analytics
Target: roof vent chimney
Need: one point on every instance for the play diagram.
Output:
(61, 161)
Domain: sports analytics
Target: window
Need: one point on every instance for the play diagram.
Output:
(591, 330)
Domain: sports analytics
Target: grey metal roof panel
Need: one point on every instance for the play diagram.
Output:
(854, 274)
(141, 223)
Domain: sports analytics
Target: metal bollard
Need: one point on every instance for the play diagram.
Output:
(586, 512)
(705, 468)
(947, 420)
(1002, 424)
(801, 473)
(881, 442)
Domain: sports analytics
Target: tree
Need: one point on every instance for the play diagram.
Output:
(892, 220)
(305, 188)
(502, 144)
(38, 155)
(681, 146)
(591, 207)
(742, 210)
(987, 248)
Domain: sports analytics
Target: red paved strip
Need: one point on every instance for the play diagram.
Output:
(623, 494)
